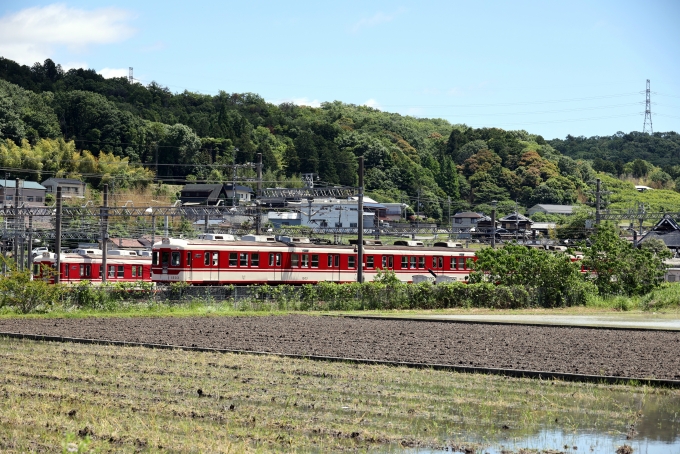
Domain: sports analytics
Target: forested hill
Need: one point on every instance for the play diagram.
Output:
(43, 108)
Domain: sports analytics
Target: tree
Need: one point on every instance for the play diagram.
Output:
(618, 268)
(555, 276)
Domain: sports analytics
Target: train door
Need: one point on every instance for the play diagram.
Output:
(334, 267)
(188, 267)
(211, 261)
(276, 266)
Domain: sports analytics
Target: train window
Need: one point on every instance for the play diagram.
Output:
(305, 260)
(206, 259)
(36, 269)
(434, 262)
(440, 263)
(278, 259)
(315, 260)
(175, 258)
(140, 271)
(154, 258)
(293, 260)
(82, 270)
(384, 261)
(189, 258)
(255, 260)
(351, 261)
(271, 259)
(330, 261)
(243, 259)
(413, 262)
(232, 259)
(66, 270)
(165, 258)
(88, 270)
(112, 271)
(404, 262)
(134, 271)
(215, 258)
(454, 264)
(369, 261)
(421, 262)
(337, 261)
(121, 271)
(390, 262)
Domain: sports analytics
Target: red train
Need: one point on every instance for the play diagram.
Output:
(262, 259)
(86, 265)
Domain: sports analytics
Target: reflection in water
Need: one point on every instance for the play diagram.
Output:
(653, 427)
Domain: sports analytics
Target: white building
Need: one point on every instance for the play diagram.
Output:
(335, 213)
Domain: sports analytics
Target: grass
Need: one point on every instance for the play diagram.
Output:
(113, 399)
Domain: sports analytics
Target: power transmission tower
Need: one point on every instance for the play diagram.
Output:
(131, 79)
(648, 112)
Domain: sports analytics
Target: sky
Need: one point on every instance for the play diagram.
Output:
(550, 68)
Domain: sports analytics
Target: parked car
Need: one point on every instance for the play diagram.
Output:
(39, 251)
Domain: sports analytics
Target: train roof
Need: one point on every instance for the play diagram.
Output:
(302, 247)
(90, 258)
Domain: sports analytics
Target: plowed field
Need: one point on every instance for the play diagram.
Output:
(620, 353)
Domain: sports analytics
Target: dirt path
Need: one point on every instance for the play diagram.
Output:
(625, 353)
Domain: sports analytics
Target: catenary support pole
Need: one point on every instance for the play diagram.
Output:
(57, 239)
(360, 223)
(258, 215)
(597, 202)
(493, 228)
(105, 231)
(30, 244)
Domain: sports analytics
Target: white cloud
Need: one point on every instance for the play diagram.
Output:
(298, 101)
(372, 103)
(32, 34)
(114, 72)
(377, 19)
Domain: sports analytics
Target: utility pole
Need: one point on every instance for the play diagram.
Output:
(105, 231)
(258, 216)
(360, 223)
(30, 244)
(597, 202)
(648, 111)
(57, 238)
(233, 178)
(16, 223)
(493, 225)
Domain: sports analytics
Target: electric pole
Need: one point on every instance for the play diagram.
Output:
(360, 223)
(648, 111)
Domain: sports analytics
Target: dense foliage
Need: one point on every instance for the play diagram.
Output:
(191, 136)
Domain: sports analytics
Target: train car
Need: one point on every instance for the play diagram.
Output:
(261, 259)
(87, 266)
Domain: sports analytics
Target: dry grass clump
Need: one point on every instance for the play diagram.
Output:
(112, 399)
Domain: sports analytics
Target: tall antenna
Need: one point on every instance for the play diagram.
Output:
(648, 113)
(131, 79)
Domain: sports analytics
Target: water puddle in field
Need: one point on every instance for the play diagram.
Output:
(656, 430)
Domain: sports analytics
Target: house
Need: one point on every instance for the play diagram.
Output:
(543, 228)
(324, 213)
(666, 230)
(243, 193)
(393, 211)
(516, 222)
(126, 244)
(30, 193)
(551, 209)
(70, 187)
(466, 219)
(203, 194)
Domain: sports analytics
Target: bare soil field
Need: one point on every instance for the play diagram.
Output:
(608, 352)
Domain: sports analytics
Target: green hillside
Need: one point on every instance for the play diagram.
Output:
(186, 136)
